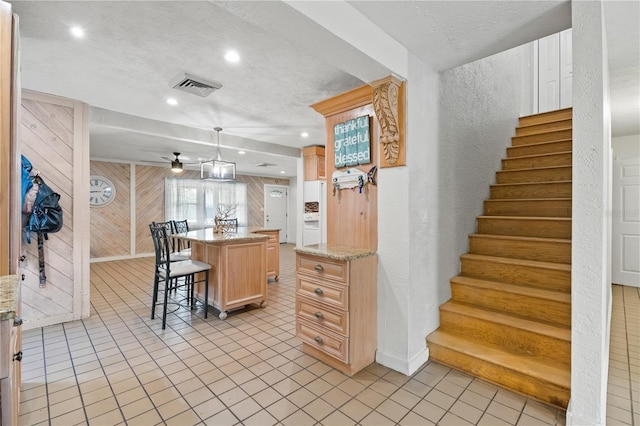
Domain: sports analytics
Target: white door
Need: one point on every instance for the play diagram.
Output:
(555, 71)
(275, 209)
(549, 73)
(625, 251)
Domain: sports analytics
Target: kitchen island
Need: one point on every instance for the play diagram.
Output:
(239, 266)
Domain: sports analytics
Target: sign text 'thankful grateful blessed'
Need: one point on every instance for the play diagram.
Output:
(351, 142)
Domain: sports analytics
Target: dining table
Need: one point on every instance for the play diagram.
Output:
(238, 260)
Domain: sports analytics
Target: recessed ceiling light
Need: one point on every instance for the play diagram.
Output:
(172, 101)
(241, 152)
(232, 56)
(77, 32)
(282, 172)
(304, 134)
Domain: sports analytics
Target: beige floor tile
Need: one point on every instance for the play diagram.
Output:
(261, 418)
(232, 396)
(299, 418)
(245, 408)
(318, 409)
(209, 408)
(412, 419)
(440, 399)
(429, 411)
(503, 412)
(112, 417)
(186, 418)
(336, 397)
(466, 412)
(337, 419)
(173, 408)
(69, 418)
(282, 409)
(301, 397)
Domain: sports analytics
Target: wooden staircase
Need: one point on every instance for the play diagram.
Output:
(509, 318)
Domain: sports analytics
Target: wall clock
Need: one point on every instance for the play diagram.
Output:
(101, 191)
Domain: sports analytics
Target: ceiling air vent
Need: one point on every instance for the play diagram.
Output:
(195, 85)
(266, 164)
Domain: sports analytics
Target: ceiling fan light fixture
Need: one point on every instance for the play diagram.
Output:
(176, 165)
(217, 169)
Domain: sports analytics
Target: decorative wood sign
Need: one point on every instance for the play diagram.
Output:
(351, 142)
(388, 103)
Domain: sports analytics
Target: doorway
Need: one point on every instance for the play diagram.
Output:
(275, 209)
(625, 250)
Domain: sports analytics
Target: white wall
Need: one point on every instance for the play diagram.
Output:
(459, 124)
(626, 146)
(591, 231)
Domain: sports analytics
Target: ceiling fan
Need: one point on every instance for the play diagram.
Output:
(176, 164)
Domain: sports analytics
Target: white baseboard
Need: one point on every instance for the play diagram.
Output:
(406, 367)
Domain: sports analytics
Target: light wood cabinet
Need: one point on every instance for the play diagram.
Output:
(273, 253)
(10, 353)
(314, 163)
(336, 305)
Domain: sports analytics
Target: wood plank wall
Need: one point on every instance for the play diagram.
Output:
(47, 133)
(111, 225)
(255, 196)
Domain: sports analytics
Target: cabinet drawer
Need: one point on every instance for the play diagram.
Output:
(330, 343)
(321, 267)
(322, 291)
(320, 314)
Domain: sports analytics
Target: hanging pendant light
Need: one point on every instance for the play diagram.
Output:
(216, 169)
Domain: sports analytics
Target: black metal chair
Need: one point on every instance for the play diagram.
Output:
(176, 256)
(229, 225)
(169, 272)
(181, 227)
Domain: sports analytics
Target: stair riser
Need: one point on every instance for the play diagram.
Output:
(534, 175)
(543, 127)
(546, 117)
(501, 376)
(539, 208)
(550, 160)
(534, 190)
(526, 306)
(525, 228)
(537, 149)
(541, 137)
(558, 252)
(549, 279)
(516, 339)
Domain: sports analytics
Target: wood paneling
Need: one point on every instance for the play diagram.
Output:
(5, 134)
(111, 224)
(352, 217)
(50, 134)
(149, 198)
(255, 196)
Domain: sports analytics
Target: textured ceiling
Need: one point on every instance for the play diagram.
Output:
(132, 50)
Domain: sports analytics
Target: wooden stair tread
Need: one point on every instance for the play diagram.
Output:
(536, 169)
(544, 218)
(544, 370)
(516, 200)
(550, 154)
(537, 292)
(547, 113)
(519, 262)
(523, 184)
(537, 144)
(542, 131)
(521, 238)
(556, 331)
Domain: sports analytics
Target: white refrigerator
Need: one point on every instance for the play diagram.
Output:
(314, 229)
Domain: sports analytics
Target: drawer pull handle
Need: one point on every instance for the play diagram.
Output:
(22, 258)
(318, 340)
(318, 291)
(319, 315)
(18, 356)
(17, 321)
(318, 268)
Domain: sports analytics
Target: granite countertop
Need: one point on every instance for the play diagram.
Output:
(335, 252)
(9, 291)
(243, 234)
(258, 229)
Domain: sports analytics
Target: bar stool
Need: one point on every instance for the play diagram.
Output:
(169, 272)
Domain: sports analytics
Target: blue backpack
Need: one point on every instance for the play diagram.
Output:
(44, 216)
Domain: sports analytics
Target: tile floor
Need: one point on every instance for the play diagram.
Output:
(120, 367)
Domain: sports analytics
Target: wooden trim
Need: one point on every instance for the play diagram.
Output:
(344, 102)
(313, 150)
(5, 134)
(81, 212)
